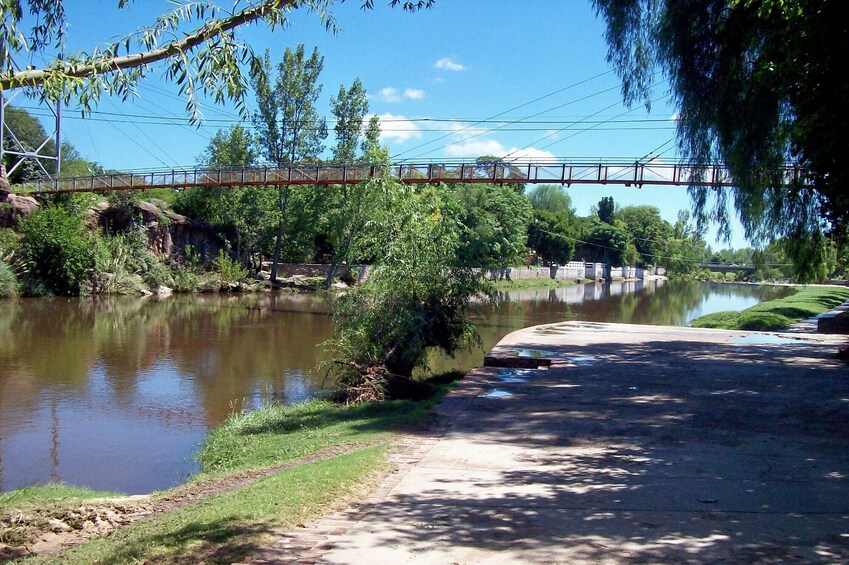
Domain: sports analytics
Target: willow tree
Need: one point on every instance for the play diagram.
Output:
(196, 43)
(758, 83)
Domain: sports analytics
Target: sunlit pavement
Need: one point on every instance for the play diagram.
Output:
(637, 444)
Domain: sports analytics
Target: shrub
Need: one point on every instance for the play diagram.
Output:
(8, 242)
(228, 269)
(56, 249)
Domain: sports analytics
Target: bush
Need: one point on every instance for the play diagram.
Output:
(8, 242)
(229, 270)
(56, 250)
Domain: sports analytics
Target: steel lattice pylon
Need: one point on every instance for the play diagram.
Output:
(10, 145)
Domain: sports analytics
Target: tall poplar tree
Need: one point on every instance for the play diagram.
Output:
(289, 129)
(347, 219)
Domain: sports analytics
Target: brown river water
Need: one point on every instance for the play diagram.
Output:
(117, 394)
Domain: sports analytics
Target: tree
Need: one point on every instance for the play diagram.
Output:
(552, 237)
(649, 232)
(350, 108)
(289, 129)
(606, 209)
(757, 83)
(416, 297)
(240, 211)
(605, 243)
(493, 224)
(686, 246)
(56, 249)
(205, 60)
(350, 210)
(552, 198)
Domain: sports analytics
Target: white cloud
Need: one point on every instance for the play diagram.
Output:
(397, 128)
(389, 94)
(478, 147)
(414, 93)
(449, 64)
(392, 95)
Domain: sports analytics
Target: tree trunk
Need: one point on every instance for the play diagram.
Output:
(282, 206)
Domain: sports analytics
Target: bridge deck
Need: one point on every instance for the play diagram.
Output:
(568, 173)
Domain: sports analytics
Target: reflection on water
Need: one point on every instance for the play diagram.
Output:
(117, 393)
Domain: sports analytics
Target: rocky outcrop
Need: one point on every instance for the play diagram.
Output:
(169, 234)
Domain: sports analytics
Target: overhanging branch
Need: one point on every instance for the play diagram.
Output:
(35, 77)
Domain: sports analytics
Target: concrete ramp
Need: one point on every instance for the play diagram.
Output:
(633, 444)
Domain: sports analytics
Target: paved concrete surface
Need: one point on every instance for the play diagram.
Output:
(638, 444)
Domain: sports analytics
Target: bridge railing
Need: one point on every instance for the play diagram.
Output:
(567, 173)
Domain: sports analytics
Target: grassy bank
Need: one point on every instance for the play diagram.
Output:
(538, 283)
(778, 314)
(264, 472)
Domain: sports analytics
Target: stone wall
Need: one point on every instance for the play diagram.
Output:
(574, 270)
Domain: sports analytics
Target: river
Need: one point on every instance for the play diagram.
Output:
(116, 394)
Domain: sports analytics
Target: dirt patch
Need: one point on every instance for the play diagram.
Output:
(52, 530)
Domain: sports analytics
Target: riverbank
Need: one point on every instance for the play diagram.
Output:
(773, 315)
(528, 284)
(264, 472)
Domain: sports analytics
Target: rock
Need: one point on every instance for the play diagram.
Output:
(15, 207)
(58, 525)
(89, 526)
(175, 217)
(163, 290)
(150, 213)
(145, 293)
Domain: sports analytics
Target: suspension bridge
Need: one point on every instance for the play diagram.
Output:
(634, 174)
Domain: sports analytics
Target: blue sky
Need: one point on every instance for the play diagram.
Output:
(465, 78)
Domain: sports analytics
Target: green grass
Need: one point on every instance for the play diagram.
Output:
(542, 282)
(281, 433)
(31, 497)
(227, 527)
(778, 314)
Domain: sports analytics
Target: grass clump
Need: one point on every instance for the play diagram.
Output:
(8, 281)
(30, 497)
(280, 433)
(778, 314)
